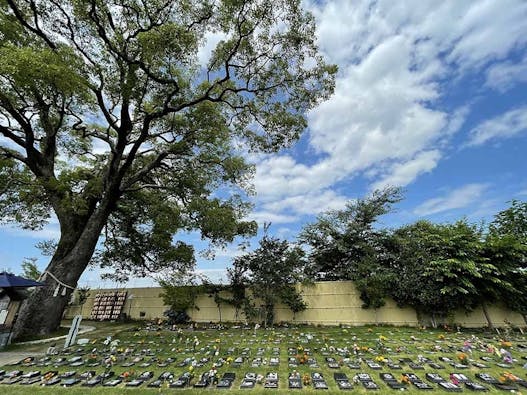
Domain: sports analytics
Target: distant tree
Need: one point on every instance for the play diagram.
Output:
(293, 299)
(112, 119)
(506, 248)
(30, 269)
(442, 268)
(511, 221)
(271, 271)
(346, 245)
(237, 289)
(181, 289)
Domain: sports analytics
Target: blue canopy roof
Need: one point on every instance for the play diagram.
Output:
(9, 280)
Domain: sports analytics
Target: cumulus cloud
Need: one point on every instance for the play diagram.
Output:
(402, 174)
(385, 119)
(262, 217)
(509, 124)
(458, 198)
(308, 203)
(503, 76)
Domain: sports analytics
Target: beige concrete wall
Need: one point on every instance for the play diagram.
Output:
(499, 315)
(329, 303)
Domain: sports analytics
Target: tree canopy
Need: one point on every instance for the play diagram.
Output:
(434, 268)
(271, 272)
(115, 117)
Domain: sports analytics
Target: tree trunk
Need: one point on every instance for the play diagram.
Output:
(487, 316)
(433, 320)
(42, 312)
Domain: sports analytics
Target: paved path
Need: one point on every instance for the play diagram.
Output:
(83, 329)
(9, 357)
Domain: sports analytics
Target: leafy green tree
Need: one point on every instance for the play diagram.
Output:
(511, 221)
(271, 271)
(442, 267)
(30, 269)
(506, 248)
(113, 119)
(180, 290)
(237, 289)
(346, 245)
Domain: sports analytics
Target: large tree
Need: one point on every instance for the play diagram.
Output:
(441, 268)
(111, 119)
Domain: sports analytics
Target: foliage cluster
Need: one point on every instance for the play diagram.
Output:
(129, 122)
(435, 268)
(258, 280)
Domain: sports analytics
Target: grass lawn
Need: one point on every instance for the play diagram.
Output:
(147, 348)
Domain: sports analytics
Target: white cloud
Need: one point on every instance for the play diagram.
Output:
(402, 174)
(510, 124)
(457, 119)
(262, 217)
(50, 231)
(210, 43)
(503, 76)
(309, 204)
(486, 30)
(458, 198)
(385, 118)
(228, 252)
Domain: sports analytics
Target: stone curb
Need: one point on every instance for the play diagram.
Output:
(83, 329)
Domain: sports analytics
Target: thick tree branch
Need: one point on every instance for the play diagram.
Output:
(12, 154)
(12, 136)
(20, 17)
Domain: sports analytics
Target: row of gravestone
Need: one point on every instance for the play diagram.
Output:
(144, 360)
(249, 380)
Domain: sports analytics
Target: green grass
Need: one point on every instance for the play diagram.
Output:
(412, 342)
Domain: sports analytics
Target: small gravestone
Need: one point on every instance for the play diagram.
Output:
(295, 383)
(487, 378)
(70, 382)
(370, 385)
(450, 387)
(112, 383)
(422, 386)
(476, 387)
(434, 378)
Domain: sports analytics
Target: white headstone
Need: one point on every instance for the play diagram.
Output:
(72, 334)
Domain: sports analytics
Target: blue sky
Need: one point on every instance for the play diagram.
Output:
(430, 96)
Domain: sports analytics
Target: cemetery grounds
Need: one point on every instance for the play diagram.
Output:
(151, 359)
